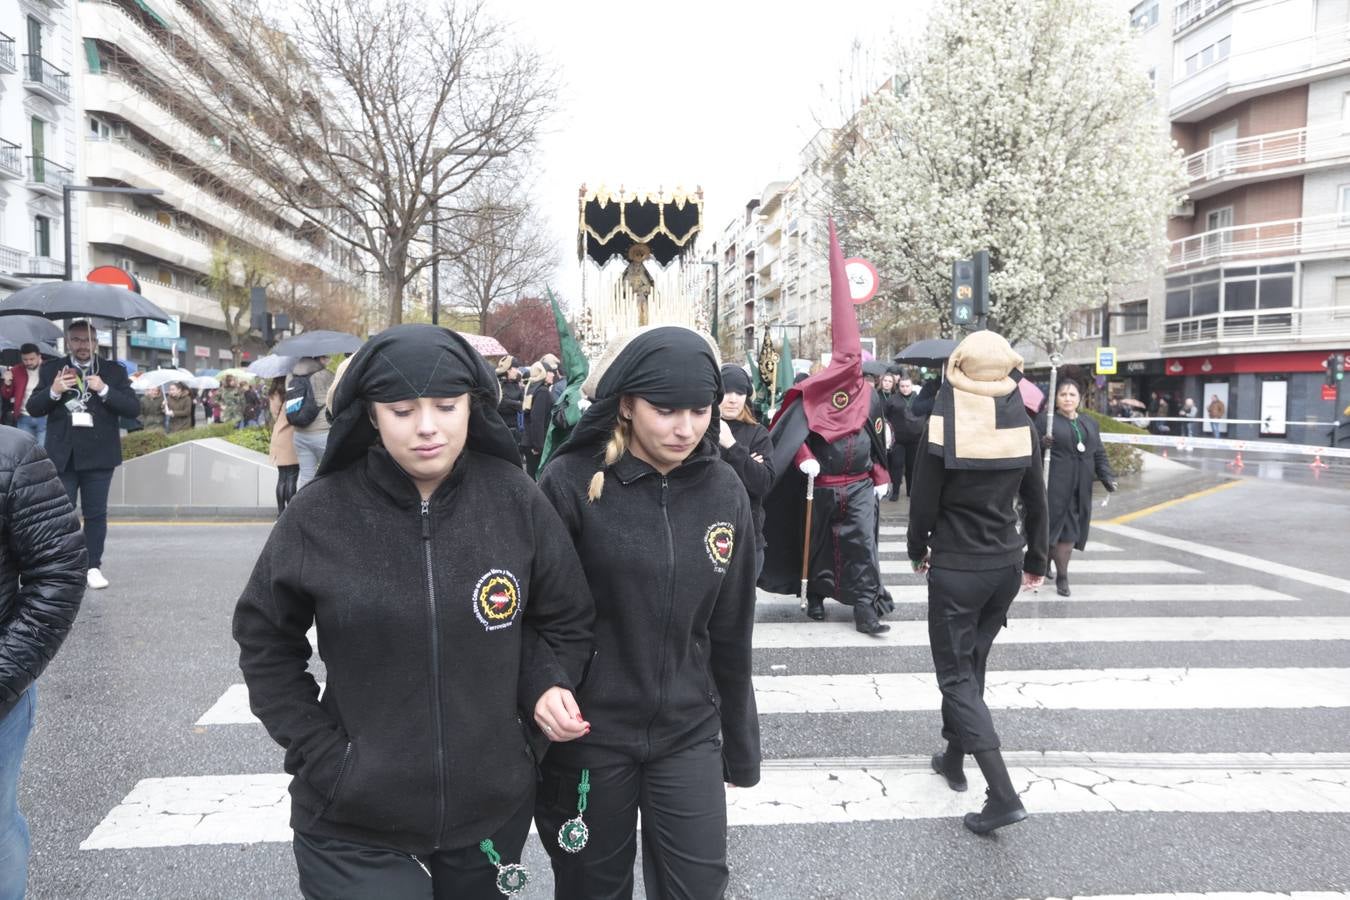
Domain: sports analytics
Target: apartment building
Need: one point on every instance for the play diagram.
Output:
(773, 269)
(38, 136)
(1256, 288)
(113, 111)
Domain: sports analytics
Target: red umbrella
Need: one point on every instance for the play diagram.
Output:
(1032, 396)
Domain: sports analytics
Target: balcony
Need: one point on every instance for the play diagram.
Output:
(1262, 157)
(1260, 68)
(1285, 325)
(1309, 236)
(12, 260)
(45, 79)
(11, 160)
(1188, 12)
(120, 227)
(7, 57)
(190, 306)
(47, 177)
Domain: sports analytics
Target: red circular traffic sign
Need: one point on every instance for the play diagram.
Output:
(862, 279)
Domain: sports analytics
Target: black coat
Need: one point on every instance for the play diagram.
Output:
(906, 423)
(99, 447)
(751, 437)
(509, 406)
(1071, 476)
(42, 564)
(536, 420)
(671, 565)
(440, 624)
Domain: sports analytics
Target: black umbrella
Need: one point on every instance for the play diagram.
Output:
(28, 329)
(928, 352)
(874, 367)
(77, 299)
(10, 355)
(318, 343)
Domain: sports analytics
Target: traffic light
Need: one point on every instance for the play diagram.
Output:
(1335, 368)
(963, 292)
(981, 262)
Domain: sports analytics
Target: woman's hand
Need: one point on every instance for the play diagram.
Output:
(1031, 582)
(724, 435)
(557, 714)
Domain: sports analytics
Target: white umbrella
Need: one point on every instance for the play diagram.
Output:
(160, 377)
(204, 383)
(273, 366)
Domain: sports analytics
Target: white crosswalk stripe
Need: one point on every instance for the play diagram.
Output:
(240, 809)
(1306, 674)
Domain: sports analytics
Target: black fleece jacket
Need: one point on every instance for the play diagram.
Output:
(966, 516)
(440, 624)
(670, 561)
(751, 437)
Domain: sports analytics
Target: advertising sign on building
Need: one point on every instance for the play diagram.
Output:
(201, 352)
(1274, 407)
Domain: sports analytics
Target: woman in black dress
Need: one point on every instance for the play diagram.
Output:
(1076, 457)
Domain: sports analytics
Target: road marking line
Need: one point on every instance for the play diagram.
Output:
(1094, 689)
(1092, 593)
(1115, 689)
(805, 634)
(1080, 566)
(1150, 510)
(900, 547)
(1223, 895)
(1229, 556)
(248, 809)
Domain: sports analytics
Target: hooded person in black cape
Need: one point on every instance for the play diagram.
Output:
(833, 423)
(442, 638)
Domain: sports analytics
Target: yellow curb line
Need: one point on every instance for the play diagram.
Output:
(188, 523)
(1150, 510)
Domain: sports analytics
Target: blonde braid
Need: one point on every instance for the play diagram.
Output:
(614, 449)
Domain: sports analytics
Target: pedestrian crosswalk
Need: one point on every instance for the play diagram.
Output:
(1079, 661)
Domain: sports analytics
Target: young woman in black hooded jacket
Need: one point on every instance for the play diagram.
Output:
(451, 610)
(746, 447)
(665, 535)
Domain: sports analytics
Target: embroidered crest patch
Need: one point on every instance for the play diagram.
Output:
(839, 400)
(880, 425)
(720, 541)
(496, 599)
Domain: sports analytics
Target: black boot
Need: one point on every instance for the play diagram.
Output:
(1002, 806)
(1062, 585)
(948, 765)
(815, 607)
(865, 619)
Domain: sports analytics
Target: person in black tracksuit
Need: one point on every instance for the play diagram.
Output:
(453, 620)
(907, 427)
(664, 532)
(963, 532)
(746, 447)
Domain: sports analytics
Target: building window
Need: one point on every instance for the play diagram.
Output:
(1340, 300)
(1089, 324)
(1209, 55)
(1345, 112)
(1133, 317)
(1192, 64)
(99, 130)
(1153, 78)
(42, 236)
(1145, 15)
(1343, 205)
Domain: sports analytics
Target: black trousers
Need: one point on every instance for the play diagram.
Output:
(684, 827)
(965, 612)
(91, 485)
(331, 869)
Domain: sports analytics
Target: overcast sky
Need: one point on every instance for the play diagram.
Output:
(718, 93)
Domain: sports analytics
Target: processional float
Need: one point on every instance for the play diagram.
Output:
(635, 249)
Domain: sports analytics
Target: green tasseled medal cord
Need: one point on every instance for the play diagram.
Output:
(574, 834)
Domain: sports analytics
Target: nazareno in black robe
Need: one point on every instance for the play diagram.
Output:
(844, 523)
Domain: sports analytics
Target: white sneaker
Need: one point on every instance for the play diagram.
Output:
(96, 580)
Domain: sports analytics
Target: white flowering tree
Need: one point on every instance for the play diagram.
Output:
(1024, 127)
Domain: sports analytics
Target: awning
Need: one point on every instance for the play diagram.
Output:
(611, 223)
(145, 8)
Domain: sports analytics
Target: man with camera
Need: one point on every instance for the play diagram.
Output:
(83, 395)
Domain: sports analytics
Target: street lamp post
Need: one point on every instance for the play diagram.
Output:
(717, 290)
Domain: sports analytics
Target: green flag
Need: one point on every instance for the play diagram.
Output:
(785, 370)
(576, 367)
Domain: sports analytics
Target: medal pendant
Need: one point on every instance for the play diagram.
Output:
(1082, 448)
(573, 835)
(512, 878)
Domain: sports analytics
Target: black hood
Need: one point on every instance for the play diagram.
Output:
(408, 362)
